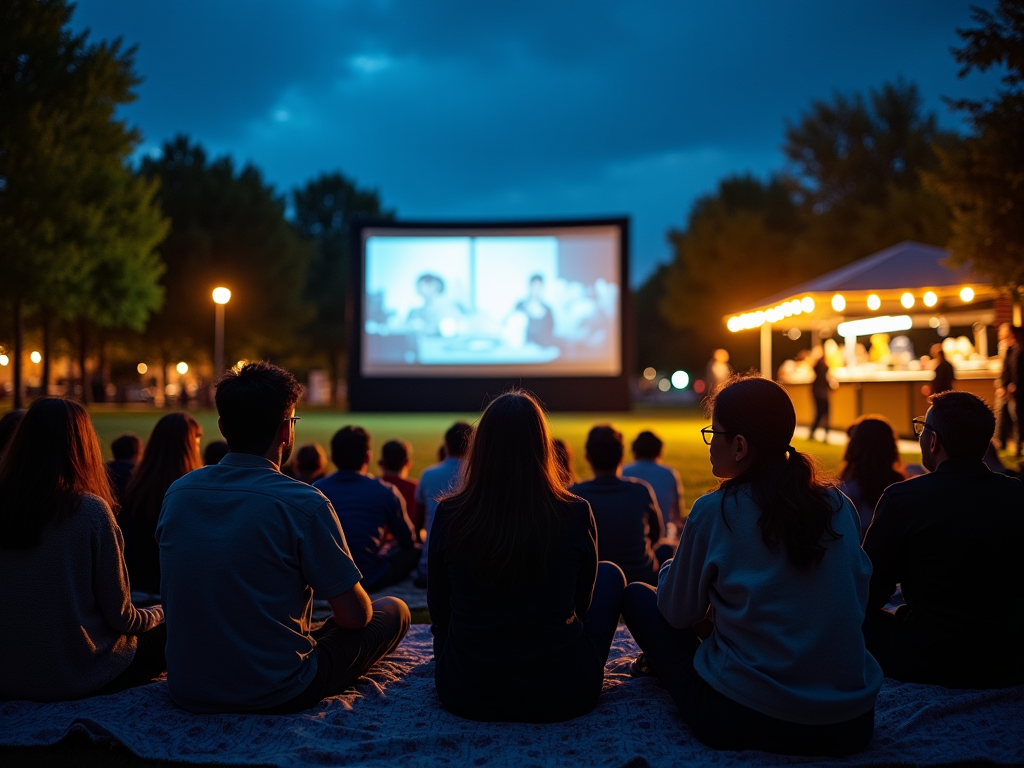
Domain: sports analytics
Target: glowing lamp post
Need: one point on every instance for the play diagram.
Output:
(221, 296)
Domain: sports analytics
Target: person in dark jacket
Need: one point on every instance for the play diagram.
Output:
(127, 450)
(523, 613)
(629, 522)
(820, 388)
(943, 381)
(951, 540)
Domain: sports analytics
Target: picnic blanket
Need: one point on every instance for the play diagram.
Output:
(393, 718)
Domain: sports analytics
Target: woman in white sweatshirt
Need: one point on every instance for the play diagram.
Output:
(770, 574)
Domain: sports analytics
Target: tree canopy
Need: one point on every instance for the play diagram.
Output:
(71, 212)
(326, 208)
(982, 179)
(229, 229)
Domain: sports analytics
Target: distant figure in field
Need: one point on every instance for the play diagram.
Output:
(439, 480)
(127, 450)
(214, 452)
(523, 614)
(870, 465)
(821, 388)
(395, 462)
(8, 422)
(628, 518)
(718, 370)
(367, 508)
(309, 463)
(68, 628)
(755, 626)
(171, 452)
(943, 381)
(242, 549)
(951, 539)
(563, 461)
(668, 488)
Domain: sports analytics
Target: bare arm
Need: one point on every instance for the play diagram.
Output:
(352, 609)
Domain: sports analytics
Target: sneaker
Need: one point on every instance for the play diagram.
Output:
(641, 667)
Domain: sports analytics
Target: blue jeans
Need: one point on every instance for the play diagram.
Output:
(713, 717)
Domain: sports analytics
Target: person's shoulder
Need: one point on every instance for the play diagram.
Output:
(93, 506)
(638, 486)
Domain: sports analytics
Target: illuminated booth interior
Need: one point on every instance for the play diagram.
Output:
(876, 321)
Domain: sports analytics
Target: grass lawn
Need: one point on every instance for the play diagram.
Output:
(684, 448)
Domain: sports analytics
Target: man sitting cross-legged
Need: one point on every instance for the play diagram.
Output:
(243, 548)
(368, 508)
(951, 539)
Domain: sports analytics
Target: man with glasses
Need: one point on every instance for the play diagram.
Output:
(242, 550)
(951, 540)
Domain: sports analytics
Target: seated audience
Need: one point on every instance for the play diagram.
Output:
(664, 481)
(629, 521)
(439, 480)
(770, 573)
(242, 549)
(127, 450)
(368, 507)
(951, 540)
(395, 462)
(171, 452)
(523, 614)
(309, 464)
(8, 422)
(68, 628)
(563, 461)
(870, 465)
(214, 452)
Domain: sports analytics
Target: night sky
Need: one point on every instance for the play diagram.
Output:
(471, 110)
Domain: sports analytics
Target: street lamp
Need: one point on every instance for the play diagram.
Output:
(221, 296)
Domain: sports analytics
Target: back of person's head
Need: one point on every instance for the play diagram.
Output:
(563, 460)
(510, 500)
(252, 401)
(310, 462)
(214, 452)
(52, 460)
(350, 447)
(457, 439)
(605, 448)
(647, 446)
(8, 423)
(171, 452)
(126, 447)
(795, 502)
(964, 423)
(872, 457)
(394, 456)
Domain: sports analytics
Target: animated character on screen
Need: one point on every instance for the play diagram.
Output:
(438, 316)
(540, 326)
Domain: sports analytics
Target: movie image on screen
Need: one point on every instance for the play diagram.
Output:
(539, 302)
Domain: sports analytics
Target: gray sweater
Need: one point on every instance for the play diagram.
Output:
(67, 624)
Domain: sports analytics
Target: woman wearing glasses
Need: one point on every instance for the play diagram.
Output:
(770, 574)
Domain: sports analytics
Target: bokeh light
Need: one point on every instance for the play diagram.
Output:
(967, 293)
(221, 295)
(838, 302)
(930, 299)
(181, 368)
(907, 300)
(680, 379)
(650, 373)
(664, 385)
(874, 302)
(35, 357)
(142, 368)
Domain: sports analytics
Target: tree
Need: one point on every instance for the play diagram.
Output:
(983, 179)
(325, 210)
(67, 196)
(228, 229)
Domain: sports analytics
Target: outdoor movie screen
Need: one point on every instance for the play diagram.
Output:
(491, 302)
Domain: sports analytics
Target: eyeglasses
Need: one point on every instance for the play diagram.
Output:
(920, 425)
(708, 434)
(292, 419)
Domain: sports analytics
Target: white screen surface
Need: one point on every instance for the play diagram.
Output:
(536, 302)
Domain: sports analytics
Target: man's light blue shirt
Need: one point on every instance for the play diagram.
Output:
(435, 482)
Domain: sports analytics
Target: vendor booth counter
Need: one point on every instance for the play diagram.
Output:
(897, 395)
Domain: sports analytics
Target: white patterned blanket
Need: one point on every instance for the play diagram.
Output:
(393, 718)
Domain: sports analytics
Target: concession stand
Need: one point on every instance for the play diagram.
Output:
(877, 322)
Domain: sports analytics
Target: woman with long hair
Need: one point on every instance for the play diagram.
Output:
(523, 614)
(171, 452)
(68, 628)
(870, 465)
(769, 571)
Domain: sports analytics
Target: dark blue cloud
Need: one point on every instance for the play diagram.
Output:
(467, 109)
